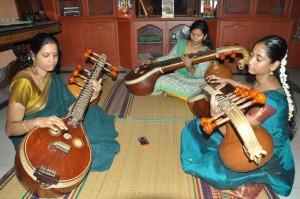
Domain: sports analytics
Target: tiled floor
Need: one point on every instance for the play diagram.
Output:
(7, 151)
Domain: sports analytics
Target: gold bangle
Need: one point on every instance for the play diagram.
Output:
(23, 123)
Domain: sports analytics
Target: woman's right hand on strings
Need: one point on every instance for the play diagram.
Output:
(52, 122)
(216, 79)
(147, 61)
(214, 108)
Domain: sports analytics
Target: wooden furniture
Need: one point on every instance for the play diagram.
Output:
(86, 24)
(20, 33)
(77, 36)
(121, 29)
(250, 20)
(293, 57)
(244, 22)
(14, 35)
(149, 35)
(152, 38)
(247, 32)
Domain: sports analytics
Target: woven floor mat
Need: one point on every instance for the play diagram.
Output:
(145, 172)
(115, 98)
(159, 108)
(250, 191)
(153, 171)
(107, 85)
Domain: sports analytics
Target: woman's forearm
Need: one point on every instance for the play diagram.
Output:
(17, 128)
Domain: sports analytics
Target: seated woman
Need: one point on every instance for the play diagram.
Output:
(39, 98)
(200, 152)
(184, 82)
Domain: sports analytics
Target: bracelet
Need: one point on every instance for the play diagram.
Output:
(23, 123)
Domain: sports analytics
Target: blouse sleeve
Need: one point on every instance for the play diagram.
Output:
(20, 91)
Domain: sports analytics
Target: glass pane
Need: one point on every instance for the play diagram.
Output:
(167, 8)
(149, 42)
(234, 6)
(100, 7)
(70, 7)
(149, 51)
(154, 7)
(207, 8)
(125, 9)
(185, 7)
(271, 6)
(181, 31)
(297, 35)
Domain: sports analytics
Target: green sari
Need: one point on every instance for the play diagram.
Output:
(181, 83)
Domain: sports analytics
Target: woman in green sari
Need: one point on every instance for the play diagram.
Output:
(39, 98)
(185, 81)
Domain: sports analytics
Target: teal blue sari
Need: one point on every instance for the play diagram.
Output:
(97, 124)
(200, 155)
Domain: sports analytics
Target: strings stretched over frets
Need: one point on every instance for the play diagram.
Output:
(85, 95)
(178, 60)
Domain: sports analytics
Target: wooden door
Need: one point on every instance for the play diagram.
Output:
(282, 29)
(294, 49)
(232, 31)
(72, 42)
(101, 37)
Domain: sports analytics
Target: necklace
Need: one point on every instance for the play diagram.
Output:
(43, 84)
(40, 80)
(198, 48)
(258, 85)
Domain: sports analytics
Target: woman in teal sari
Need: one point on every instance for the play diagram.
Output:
(39, 98)
(200, 152)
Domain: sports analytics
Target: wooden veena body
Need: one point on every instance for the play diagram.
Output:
(50, 165)
(53, 163)
(198, 102)
(141, 80)
(244, 147)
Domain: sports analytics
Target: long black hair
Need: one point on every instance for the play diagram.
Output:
(23, 59)
(277, 49)
(202, 25)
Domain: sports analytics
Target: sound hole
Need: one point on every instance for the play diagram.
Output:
(78, 143)
(67, 136)
(55, 132)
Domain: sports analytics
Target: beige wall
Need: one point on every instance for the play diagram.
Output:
(7, 9)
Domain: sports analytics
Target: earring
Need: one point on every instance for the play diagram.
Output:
(271, 73)
(33, 67)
